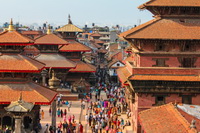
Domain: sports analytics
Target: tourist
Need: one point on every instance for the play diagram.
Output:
(80, 128)
(42, 114)
(65, 112)
(50, 111)
(61, 113)
(58, 112)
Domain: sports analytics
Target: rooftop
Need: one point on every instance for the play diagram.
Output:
(51, 39)
(55, 61)
(19, 63)
(174, 3)
(165, 29)
(74, 46)
(83, 67)
(32, 93)
(164, 119)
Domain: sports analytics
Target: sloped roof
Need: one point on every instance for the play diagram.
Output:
(51, 39)
(177, 3)
(55, 61)
(14, 37)
(164, 119)
(113, 62)
(19, 63)
(69, 28)
(74, 46)
(83, 67)
(31, 92)
(165, 77)
(31, 32)
(123, 74)
(174, 29)
(20, 106)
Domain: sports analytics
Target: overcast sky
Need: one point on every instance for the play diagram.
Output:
(102, 12)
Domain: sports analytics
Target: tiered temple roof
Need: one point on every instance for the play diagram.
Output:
(54, 60)
(83, 68)
(32, 92)
(19, 63)
(74, 46)
(50, 39)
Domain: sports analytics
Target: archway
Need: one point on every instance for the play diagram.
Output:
(27, 122)
(7, 121)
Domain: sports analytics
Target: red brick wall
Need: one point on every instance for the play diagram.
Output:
(196, 100)
(148, 62)
(173, 98)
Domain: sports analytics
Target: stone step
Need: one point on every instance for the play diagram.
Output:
(70, 97)
(64, 91)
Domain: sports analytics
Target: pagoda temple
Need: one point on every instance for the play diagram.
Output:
(48, 45)
(16, 72)
(165, 64)
(74, 51)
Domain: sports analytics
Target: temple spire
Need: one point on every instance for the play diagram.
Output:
(69, 19)
(11, 27)
(49, 29)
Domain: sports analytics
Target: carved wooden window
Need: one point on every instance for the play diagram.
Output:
(186, 99)
(160, 100)
(160, 47)
(187, 61)
(160, 62)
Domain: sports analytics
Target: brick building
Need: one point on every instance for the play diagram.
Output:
(165, 64)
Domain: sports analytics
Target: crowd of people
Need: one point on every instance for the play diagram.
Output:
(104, 113)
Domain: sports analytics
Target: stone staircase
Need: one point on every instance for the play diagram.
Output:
(67, 95)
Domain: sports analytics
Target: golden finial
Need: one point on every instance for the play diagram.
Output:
(11, 27)
(49, 29)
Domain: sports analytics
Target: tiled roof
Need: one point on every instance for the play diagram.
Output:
(31, 92)
(69, 28)
(175, 29)
(164, 119)
(95, 45)
(19, 63)
(113, 46)
(177, 3)
(165, 77)
(74, 46)
(14, 37)
(83, 67)
(50, 39)
(123, 74)
(31, 32)
(102, 50)
(55, 61)
(117, 55)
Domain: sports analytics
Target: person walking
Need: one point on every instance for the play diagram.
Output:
(58, 112)
(42, 114)
(80, 128)
(61, 113)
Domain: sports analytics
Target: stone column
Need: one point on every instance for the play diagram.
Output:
(18, 125)
(54, 84)
(44, 74)
(53, 108)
